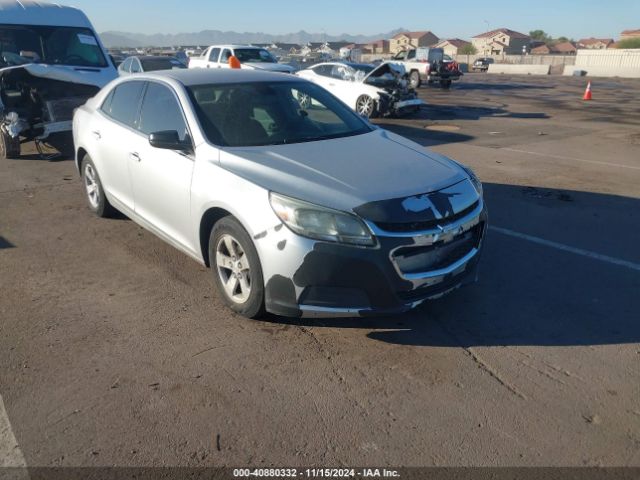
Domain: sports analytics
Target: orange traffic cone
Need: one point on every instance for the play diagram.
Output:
(587, 93)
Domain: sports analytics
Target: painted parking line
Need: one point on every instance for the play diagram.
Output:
(10, 454)
(562, 157)
(567, 248)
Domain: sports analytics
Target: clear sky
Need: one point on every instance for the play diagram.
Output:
(457, 18)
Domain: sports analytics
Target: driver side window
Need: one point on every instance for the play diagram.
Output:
(224, 58)
(126, 66)
(161, 111)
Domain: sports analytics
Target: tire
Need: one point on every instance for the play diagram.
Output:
(237, 272)
(9, 146)
(414, 80)
(365, 106)
(96, 198)
(446, 84)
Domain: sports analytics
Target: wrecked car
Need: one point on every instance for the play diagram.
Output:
(301, 212)
(370, 90)
(51, 62)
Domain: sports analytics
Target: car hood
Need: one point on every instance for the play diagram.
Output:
(86, 76)
(345, 173)
(270, 67)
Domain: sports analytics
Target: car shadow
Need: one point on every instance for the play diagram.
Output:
(425, 137)
(530, 294)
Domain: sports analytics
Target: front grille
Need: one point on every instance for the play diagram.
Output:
(439, 255)
(428, 225)
(61, 110)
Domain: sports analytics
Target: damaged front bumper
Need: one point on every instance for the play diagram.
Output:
(38, 101)
(307, 278)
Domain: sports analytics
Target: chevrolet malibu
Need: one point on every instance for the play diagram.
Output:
(299, 208)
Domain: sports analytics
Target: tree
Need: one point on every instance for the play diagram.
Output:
(540, 35)
(468, 49)
(629, 43)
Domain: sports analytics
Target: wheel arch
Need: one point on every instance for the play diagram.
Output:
(209, 218)
(80, 153)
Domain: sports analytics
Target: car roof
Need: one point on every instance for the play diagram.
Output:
(27, 12)
(237, 46)
(203, 76)
(151, 57)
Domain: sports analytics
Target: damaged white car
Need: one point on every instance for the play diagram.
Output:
(51, 62)
(372, 91)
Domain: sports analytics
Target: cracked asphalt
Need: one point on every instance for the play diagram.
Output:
(115, 350)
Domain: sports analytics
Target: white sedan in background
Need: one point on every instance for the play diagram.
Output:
(368, 89)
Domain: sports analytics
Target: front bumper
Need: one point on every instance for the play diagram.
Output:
(307, 278)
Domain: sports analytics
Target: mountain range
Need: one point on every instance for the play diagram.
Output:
(212, 37)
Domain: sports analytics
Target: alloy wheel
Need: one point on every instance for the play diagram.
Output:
(91, 185)
(364, 106)
(233, 268)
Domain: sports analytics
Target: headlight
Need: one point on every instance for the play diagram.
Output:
(474, 179)
(320, 223)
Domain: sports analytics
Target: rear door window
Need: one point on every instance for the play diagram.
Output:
(123, 102)
(161, 112)
(214, 55)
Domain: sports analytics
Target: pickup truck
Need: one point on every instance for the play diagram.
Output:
(430, 65)
(256, 58)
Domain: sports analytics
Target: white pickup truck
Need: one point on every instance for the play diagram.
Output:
(217, 56)
(428, 65)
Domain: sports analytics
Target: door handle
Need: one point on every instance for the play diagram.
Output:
(97, 135)
(135, 156)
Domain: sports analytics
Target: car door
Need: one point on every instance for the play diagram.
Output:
(113, 129)
(162, 178)
(343, 88)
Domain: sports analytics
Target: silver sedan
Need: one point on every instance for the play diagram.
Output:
(299, 208)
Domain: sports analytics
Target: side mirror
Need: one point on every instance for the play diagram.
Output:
(169, 140)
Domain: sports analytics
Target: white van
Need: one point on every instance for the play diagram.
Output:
(51, 62)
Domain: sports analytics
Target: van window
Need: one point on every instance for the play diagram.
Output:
(125, 99)
(20, 44)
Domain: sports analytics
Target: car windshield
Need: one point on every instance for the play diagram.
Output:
(168, 63)
(272, 113)
(254, 55)
(72, 46)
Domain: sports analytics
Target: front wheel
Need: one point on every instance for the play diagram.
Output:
(9, 146)
(414, 80)
(237, 272)
(365, 106)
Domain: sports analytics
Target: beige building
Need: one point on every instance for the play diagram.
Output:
(596, 43)
(501, 42)
(629, 34)
(378, 47)
(452, 46)
(411, 40)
